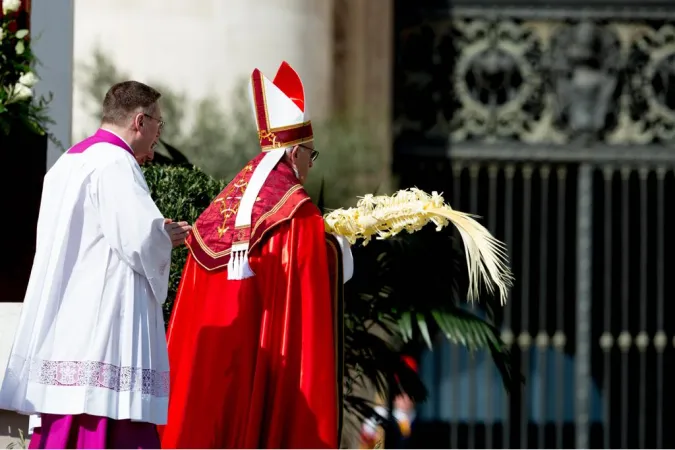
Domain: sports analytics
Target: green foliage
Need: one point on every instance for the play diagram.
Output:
(349, 163)
(410, 289)
(181, 193)
(19, 110)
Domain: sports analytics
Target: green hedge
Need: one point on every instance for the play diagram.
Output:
(181, 193)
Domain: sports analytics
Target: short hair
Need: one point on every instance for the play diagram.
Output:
(124, 99)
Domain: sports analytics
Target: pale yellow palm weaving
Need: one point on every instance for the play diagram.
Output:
(410, 210)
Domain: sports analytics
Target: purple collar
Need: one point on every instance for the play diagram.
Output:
(101, 135)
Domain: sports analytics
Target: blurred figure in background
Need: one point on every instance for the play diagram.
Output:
(373, 429)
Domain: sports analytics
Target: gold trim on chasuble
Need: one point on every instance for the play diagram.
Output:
(254, 233)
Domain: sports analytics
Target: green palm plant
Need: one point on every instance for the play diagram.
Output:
(398, 293)
(19, 109)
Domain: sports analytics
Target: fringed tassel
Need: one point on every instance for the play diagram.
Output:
(238, 268)
(245, 267)
(232, 266)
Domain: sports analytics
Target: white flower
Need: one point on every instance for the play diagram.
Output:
(28, 79)
(19, 93)
(9, 6)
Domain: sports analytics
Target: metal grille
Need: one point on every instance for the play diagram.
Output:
(556, 125)
(518, 201)
(632, 341)
(586, 318)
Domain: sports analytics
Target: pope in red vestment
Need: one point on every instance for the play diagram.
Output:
(255, 336)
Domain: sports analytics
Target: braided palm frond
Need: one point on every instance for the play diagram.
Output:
(410, 210)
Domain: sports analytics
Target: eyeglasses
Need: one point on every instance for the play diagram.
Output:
(160, 121)
(313, 155)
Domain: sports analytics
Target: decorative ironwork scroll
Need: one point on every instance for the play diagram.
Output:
(538, 81)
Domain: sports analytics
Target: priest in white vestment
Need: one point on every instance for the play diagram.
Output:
(90, 352)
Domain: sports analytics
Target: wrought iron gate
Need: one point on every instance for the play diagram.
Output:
(557, 126)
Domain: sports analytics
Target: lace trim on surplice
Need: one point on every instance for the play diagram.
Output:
(99, 375)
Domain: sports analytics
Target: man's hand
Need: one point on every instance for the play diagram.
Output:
(177, 231)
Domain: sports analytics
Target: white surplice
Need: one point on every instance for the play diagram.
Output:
(91, 336)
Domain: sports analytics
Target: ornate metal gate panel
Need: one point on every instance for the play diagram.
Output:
(557, 126)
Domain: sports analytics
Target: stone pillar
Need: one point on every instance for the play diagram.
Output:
(363, 76)
(363, 89)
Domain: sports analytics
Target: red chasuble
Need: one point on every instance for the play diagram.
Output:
(256, 363)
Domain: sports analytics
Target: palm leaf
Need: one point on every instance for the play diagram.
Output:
(424, 329)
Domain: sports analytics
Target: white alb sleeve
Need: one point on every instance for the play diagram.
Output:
(347, 258)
